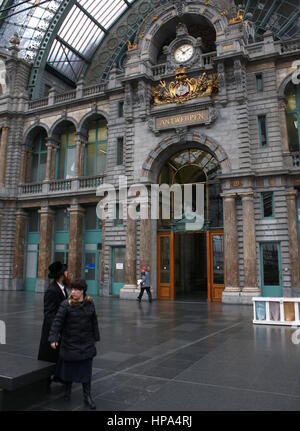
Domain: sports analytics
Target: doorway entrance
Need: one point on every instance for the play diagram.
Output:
(191, 265)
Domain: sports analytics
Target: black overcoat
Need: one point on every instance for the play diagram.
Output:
(77, 325)
(52, 300)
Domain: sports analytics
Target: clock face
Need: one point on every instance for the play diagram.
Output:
(184, 52)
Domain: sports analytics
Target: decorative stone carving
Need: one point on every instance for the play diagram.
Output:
(184, 88)
(128, 102)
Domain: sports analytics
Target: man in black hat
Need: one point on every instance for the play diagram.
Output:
(54, 295)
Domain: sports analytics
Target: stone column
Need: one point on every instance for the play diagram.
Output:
(145, 241)
(45, 247)
(249, 247)
(230, 246)
(27, 166)
(76, 242)
(283, 126)
(49, 146)
(53, 161)
(130, 289)
(80, 146)
(291, 196)
(3, 153)
(23, 163)
(103, 252)
(19, 252)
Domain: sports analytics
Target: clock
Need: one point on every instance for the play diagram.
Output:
(184, 52)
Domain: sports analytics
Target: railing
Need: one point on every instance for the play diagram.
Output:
(65, 97)
(276, 311)
(90, 182)
(159, 70)
(296, 159)
(60, 185)
(206, 61)
(30, 189)
(290, 46)
(34, 104)
(53, 186)
(95, 89)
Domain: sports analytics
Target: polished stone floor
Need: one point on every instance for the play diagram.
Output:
(178, 355)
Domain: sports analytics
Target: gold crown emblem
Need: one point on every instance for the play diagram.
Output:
(180, 70)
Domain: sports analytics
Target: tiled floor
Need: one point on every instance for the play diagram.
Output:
(171, 356)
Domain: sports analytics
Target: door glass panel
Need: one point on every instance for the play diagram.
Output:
(31, 264)
(71, 162)
(90, 162)
(218, 268)
(119, 265)
(271, 270)
(90, 218)
(34, 168)
(165, 260)
(33, 221)
(59, 256)
(101, 158)
(90, 266)
(43, 163)
(98, 269)
(61, 157)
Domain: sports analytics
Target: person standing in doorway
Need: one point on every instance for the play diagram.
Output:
(54, 296)
(76, 325)
(145, 284)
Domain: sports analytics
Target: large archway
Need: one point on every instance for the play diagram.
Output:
(189, 256)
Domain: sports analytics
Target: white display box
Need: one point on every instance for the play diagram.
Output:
(276, 311)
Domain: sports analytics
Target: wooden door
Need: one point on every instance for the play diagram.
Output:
(215, 265)
(165, 265)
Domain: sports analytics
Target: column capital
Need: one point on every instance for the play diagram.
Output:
(282, 102)
(247, 195)
(5, 127)
(21, 213)
(291, 193)
(76, 208)
(46, 211)
(81, 137)
(228, 195)
(52, 142)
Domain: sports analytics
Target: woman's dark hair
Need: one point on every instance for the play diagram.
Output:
(80, 284)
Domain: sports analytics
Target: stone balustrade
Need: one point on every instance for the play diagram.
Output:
(60, 186)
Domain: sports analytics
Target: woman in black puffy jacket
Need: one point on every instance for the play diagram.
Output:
(76, 327)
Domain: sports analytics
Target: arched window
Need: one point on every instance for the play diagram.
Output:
(96, 148)
(38, 159)
(292, 94)
(66, 155)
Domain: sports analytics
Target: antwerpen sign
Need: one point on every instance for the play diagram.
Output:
(180, 120)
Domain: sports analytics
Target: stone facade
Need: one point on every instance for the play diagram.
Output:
(246, 167)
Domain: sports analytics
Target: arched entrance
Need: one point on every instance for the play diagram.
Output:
(190, 258)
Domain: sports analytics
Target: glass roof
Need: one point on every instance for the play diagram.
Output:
(83, 28)
(283, 17)
(76, 34)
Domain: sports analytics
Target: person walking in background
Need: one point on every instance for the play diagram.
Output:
(76, 325)
(54, 295)
(145, 284)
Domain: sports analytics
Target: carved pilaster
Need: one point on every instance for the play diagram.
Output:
(75, 243)
(128, 103)
(291, 196)
(3, 153)
(249, 247)
(231, 244)
(45, 248)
